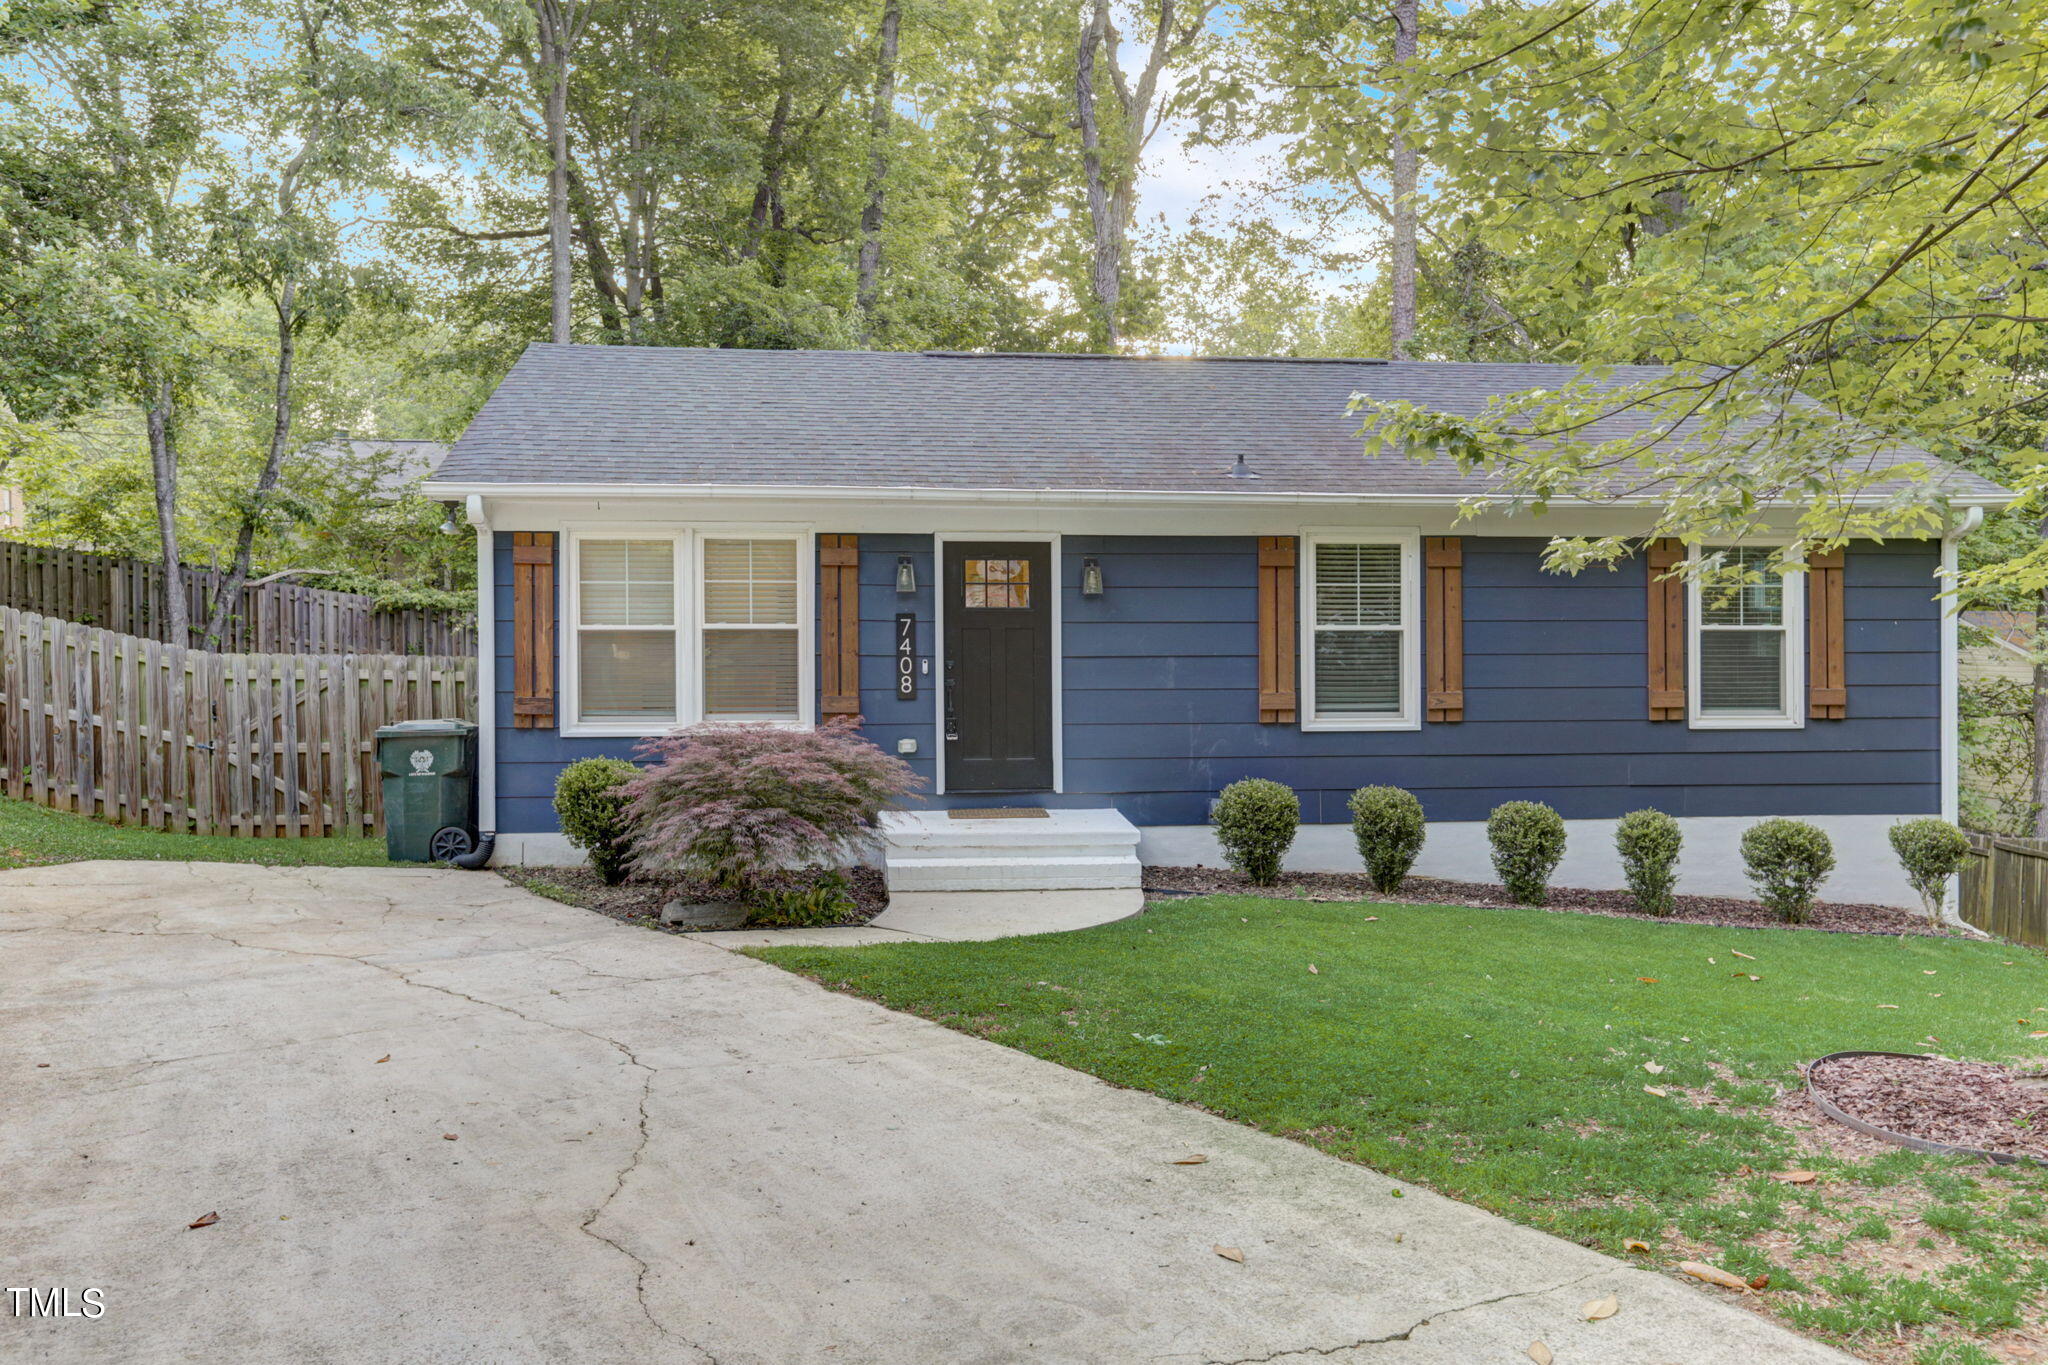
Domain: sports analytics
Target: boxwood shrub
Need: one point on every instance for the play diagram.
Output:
(1255, 822)
(1388, 824)
(1787, 861)
(592, 811)
(1527, 839)
(1931, 850)
(1648, 842)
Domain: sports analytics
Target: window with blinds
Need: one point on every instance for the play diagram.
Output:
(687, 627)
(626, 631)
(1744, 644)
(1361, 617)
(751, 632)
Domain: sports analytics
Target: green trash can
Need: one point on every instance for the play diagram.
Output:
(429, 769)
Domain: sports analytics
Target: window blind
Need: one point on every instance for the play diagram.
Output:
(626, 638)
(750, 629)
(1358, 628)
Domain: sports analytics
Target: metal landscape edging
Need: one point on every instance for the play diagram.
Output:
(1826, 1106)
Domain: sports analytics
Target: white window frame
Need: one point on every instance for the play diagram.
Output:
(689, 624)
(1793, 671)
(1409, 541)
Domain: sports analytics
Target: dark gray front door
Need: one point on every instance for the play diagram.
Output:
(998, 647)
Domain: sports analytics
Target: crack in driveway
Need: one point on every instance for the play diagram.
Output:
(1409, 1331)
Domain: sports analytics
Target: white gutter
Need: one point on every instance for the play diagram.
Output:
(1059, 497)
(1951, 683)
(486, 669)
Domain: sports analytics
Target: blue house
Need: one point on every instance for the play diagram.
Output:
(1109, 586)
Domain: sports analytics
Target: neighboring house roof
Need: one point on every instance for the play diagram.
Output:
(856, 420)
(399, 463)
(2015, 628)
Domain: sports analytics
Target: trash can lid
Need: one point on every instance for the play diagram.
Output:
(427, 727)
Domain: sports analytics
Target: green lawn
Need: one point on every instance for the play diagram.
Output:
(31, 836)
(1500, 1056)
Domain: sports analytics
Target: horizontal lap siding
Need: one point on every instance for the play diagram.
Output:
(1161, 681)
(1160, 712)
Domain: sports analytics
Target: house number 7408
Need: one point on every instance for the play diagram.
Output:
(906, 656)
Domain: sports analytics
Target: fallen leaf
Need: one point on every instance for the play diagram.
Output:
(1760, 1282)
(1653, 1068)
(385, 1058)
(1192, 1159)
(1647, 980)
(1593, 1310)
(1540, 1353)
(204, 1220)
(1312, 970)
(1934, 1040)
(2042, 1034)
(1794, 1177)
(1744, 956)
(1927, 971)
(1887, 1007)
(447, 1137)
(1633, 1245)
(1658, 1091)
(1370, 918)
(1713, 1274)
(1229, 1253)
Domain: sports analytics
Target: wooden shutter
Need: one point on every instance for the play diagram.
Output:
(1279, 636)
(1443, 630)
(839, 624)
(1827, 676)
(1667, 632)
(533, 630)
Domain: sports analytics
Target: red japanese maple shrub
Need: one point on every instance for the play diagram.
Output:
(735, 803)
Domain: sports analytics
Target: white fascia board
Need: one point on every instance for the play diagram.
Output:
(1070, 497)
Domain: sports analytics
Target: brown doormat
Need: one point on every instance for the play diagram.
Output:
(1001, 813)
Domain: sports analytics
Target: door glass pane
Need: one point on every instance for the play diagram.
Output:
(1358, 672)
(626, 582)
(1358, 585)
(626, 675)
(750, 582)
(1742, 672)
(998, 583)
(750, 673)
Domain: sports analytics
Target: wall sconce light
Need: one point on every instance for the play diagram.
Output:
(906, 575)
(1091, 577)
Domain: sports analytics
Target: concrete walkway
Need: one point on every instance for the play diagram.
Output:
(443, 1120)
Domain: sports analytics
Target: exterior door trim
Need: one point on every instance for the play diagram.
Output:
(1059, 738)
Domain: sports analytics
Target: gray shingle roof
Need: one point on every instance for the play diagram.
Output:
(885, 419)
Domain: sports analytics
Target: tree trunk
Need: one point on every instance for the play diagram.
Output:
(161, 420)
(2038, 796)
(228, 596)
(1406, 171)
(769, 191)
(1106, 268)
(880, 116)
(554, 60)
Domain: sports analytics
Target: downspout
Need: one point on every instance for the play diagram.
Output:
(486, 676)
(1951, 687)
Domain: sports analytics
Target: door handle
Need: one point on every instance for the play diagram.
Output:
(952, 721)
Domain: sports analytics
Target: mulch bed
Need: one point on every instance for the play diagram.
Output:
(638, 900)
(1828, 916)
(1964, 1104)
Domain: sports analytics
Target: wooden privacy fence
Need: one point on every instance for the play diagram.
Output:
(2005, 888)
(127, 595)
(145, 733)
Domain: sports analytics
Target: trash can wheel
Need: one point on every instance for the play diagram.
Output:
(449, 843)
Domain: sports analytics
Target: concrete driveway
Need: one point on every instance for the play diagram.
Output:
(443, 1120)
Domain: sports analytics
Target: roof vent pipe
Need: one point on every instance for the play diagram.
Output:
(1241, 470)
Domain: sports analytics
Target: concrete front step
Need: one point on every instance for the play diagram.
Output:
(1064, 850)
